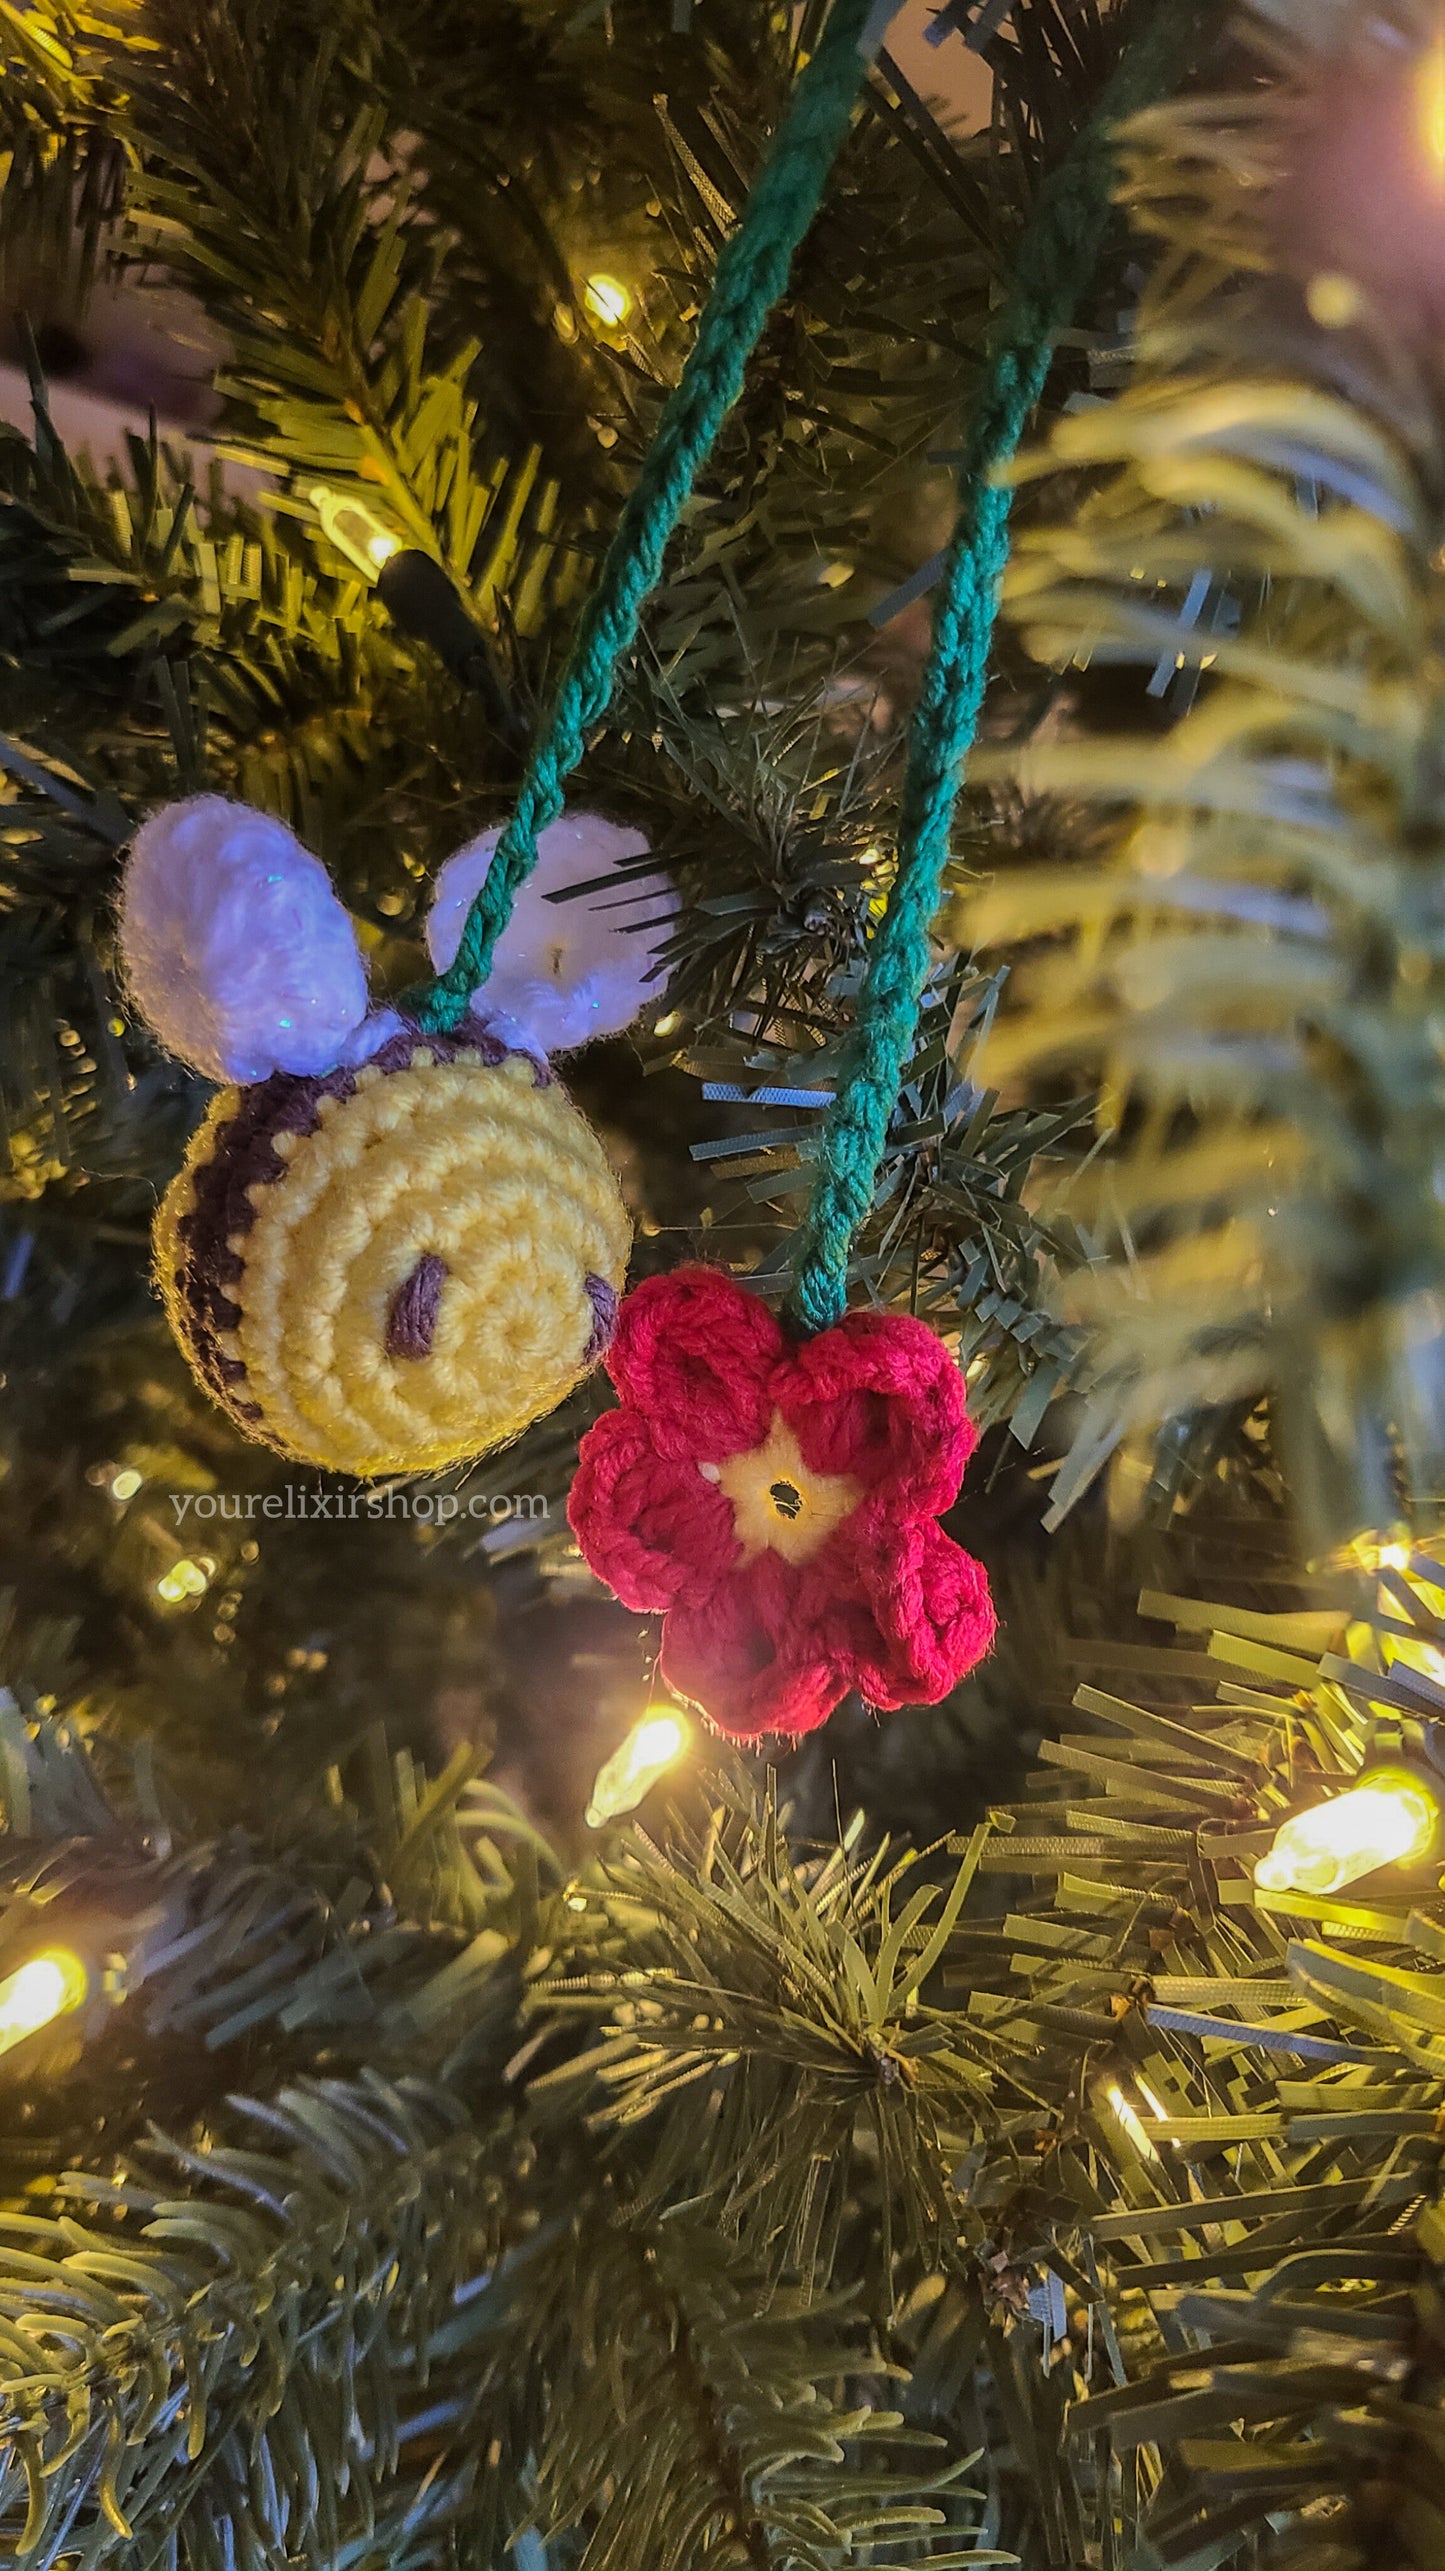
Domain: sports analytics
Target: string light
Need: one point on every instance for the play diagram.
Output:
(125, 1484)
(1368, 1553)
(1131, 2121)
(1333, 300)
(1413, 1650)
(1390, 1819)
(607, 300)
(658, 1738)
(44, 1988)
(185, 1579)
(1432, 107)
(353, 530)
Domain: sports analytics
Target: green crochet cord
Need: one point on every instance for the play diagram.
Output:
(1056, 259)
(751, 275)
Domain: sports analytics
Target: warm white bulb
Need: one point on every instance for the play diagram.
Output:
(1390, 1820)
(185, 1579)
(42, 1989)
(655, 1740)
(607, 300)
(1132, 2122)
(1432, 107)
(366, 543)
(1334, 300)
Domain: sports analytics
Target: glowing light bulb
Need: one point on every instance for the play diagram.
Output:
(1399, 1635)
(185, 1579)
(659, 1737)
(1389, 1820)
(1432, 108)
(124, 1485)
(1334, 300)
(353, 530)
(1371, 1554)
(39, 1991)
(1132, 2122)
(607, 300)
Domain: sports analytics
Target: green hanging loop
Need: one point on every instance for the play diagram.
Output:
(1056, 258)
(751, 275)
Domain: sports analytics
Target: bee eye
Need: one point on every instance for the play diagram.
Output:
(416, 1308)
(373, 1350)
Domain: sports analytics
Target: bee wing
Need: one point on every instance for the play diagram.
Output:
(235, 945)
(569, 965)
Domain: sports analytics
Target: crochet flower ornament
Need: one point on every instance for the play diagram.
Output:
(778, 1504)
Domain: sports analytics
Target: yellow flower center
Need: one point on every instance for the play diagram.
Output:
(779, 1504)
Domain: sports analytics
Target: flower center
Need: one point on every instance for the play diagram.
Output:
(779, 1504)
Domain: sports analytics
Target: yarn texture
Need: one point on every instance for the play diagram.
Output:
(751, 274)
(234, 944)
(564, 970)
(1056, 258)
(402, 1244)
(777, 1504)
(394, 1268)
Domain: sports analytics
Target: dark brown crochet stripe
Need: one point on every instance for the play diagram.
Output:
(243, 1155)
(416, 1307)
(603, 1299)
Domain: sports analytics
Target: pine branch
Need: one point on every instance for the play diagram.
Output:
(213, 2370)
(1235, 2183)
(753, 2451)
(784, 2000)
(1176, 2123)
(343, 299)
(261, 133)
(299, 2323)
(62, 154)
(1252, 978)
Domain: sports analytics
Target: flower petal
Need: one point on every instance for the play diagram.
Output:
(694, 1354)
(744, 1655)
(648, 1524)
(878, 1397)
(930, 1605)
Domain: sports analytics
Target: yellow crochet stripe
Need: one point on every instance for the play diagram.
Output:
(474, 1162)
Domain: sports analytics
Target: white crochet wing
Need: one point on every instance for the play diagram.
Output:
(235, 945)
(564, 970)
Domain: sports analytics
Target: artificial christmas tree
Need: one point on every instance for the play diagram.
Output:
(1002, 2130)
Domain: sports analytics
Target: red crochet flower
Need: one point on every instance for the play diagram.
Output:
(778, 1503)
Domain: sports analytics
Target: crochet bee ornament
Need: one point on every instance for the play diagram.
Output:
(387, 1250)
